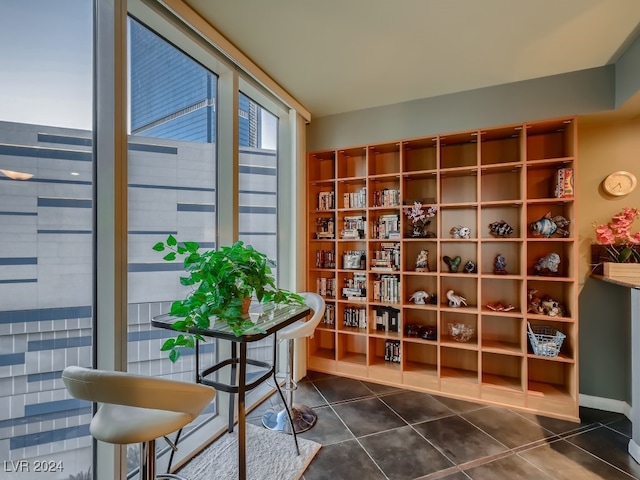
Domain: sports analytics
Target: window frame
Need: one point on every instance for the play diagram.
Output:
(111, 219)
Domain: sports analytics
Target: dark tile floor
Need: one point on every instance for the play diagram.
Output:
(371, 432)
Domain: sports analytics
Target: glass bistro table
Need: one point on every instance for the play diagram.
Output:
(268, 319)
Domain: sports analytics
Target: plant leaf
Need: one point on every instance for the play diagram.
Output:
(174, 355)
(170, 257)
(171, 241)
(191, 246)
(180, 325)
(158, 247)
(624, 254)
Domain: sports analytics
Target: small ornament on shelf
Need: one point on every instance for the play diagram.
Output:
(547, 265)
(422, 261)
(500, 265)
(452, 263)
(499, 307)
(456, 301)
(461, 332)
(420, 219)
(548, 226)
(460, 231)
(470, 267)
(419, 298)
(500, 229)
(545, 305)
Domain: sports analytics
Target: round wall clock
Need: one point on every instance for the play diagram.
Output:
(619, 183)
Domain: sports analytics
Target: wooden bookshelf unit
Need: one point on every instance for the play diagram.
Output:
(359, 236)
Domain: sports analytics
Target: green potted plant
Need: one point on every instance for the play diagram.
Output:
(223, 283)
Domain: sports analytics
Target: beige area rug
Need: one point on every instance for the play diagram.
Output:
(270, 456)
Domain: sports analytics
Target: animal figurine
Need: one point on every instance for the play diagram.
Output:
(547, 265)
(547, 226)
(456, 301)
(500, 265)
(422, 262)
(460, 232)
(533, 301)
(551, 307)
(500, 229)
(544, 306)
(470, 267)
(419, 298)
(452, 263)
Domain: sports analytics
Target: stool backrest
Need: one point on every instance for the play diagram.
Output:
(300, 328)
(120, 388)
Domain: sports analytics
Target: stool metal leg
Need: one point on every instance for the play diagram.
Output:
(302, 416)
(148, 464)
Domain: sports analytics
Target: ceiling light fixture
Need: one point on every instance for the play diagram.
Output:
(17, 175)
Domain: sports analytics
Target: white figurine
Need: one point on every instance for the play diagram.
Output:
(420, 297)
(456, 301)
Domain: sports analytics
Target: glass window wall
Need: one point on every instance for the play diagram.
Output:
(171, 191)
(46, 233)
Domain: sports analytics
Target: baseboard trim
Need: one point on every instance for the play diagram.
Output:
(607, 404)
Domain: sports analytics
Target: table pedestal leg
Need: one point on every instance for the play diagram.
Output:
(242, 459)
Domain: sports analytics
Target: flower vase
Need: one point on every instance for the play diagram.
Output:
(417, 231)
(603, 264)
(622, 270)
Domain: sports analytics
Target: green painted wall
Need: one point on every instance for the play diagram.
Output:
(604, 358)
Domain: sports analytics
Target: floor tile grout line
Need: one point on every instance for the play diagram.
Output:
(407, 424)
(597, 456)
(357, 439)
(516, 451)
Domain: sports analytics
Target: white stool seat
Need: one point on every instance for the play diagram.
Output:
(122, 425)
(136, 408)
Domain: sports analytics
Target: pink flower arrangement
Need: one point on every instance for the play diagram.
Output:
(617, 237)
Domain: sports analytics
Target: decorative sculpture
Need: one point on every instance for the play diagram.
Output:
(548, 226)
(460, 232)
(470, 267)
(543, 306)
(500, 265)
(452, 263)
(547, 265)
(500, 229)
(456, 301)
(499, 307)
(422, 262)
(419, 298)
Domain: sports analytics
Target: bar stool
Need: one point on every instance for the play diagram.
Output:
(303, 416)
(137, 409)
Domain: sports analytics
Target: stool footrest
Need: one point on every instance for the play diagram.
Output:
(303, 419)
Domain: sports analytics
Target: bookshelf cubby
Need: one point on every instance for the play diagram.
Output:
(474, 178)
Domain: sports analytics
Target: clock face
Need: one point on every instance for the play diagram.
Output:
(619, 183)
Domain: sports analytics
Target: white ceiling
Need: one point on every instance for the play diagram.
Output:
(336, 56)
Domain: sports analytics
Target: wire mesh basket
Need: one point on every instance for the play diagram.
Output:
(545, 340)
